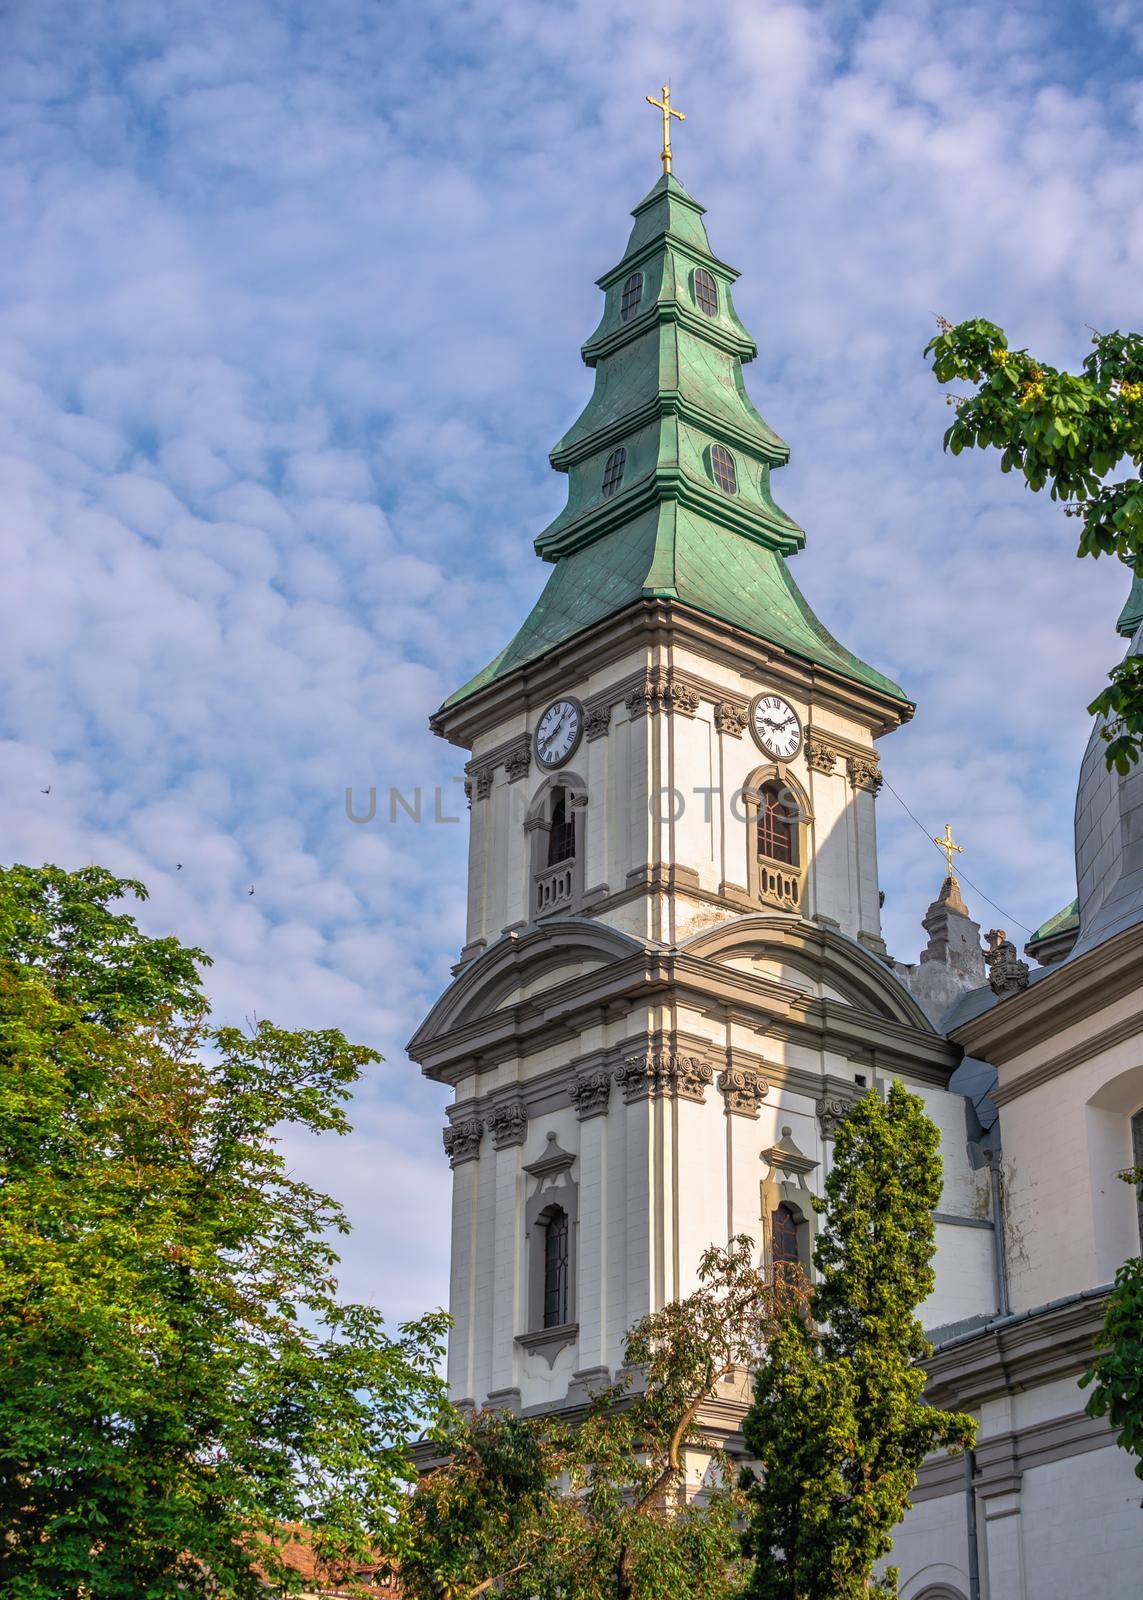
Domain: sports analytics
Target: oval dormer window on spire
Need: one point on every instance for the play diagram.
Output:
(613, 470)
(722, 465)
(632, 295)
(706, 292)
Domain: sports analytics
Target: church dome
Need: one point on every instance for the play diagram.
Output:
(1109, 826)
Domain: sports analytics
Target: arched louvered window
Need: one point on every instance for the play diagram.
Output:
(632, 295)
(561, 830)
(776, 824)
(556, 1269)
(706, 292)
(722, 466)
(784, 1250)
(613, 470)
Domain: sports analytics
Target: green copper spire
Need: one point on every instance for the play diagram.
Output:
(669, 464)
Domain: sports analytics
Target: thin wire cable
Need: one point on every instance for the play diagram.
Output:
(1007, 915)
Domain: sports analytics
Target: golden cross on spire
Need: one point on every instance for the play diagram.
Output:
(668, 111)
(946, 844)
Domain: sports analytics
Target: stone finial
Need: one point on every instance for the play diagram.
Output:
(864, 773)
(820, 757)
(462, 1141)
(730, 718)
(743, 1090)
(657, 1075)
(590, 1094)
(1007, 974)
(508, 1124)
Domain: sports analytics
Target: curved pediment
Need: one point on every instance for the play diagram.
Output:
(520, 967)
(819, 960)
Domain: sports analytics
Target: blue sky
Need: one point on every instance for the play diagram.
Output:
(292, 302)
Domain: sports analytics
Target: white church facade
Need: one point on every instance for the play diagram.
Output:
(674, 982)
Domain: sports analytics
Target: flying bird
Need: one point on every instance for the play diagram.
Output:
(48, 790)
(179, 867)
(250, 890)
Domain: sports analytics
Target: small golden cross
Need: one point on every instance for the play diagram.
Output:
(946, 844)
(668, 111)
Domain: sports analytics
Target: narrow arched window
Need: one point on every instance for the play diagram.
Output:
(556, 1269)
(784, 1238)
(776, 838)
(613, 470)
(632, 295)
(561, 829)
(722, 465)
(706, 292)
(1137, 1161)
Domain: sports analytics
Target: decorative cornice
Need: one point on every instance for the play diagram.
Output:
(1106, 1039)
(730, 717)
(462, 1141)
(820, 757)
(658, 1075)
(508, 1124)
(864, 773)
(1016, 1352)
(786, 1158)
(743, 1090)
(548, 1342)
(590, 1094)
(551, 1160)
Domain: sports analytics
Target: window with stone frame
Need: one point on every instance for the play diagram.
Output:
(556, 1269)
(785, 1248)
(777, 826)
(555, 825)
(561, 829)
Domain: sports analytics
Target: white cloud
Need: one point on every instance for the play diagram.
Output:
(292, 320)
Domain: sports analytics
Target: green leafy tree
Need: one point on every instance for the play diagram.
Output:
(838, 1424)
(1117, 1371)
(599, 1510)
(1066, 431)
(178, 1377)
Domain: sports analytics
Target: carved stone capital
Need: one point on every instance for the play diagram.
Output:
(820, 757)
(730, 718)
(831, 1110)
(597, 722)
(462, 1141)
(508, 1124)
(468, 792)
(518, 762)
(658, 1075)
(644, 697)
(484, 776)
(682, 696)
(864, 773)
(743, 1091)
(590, 1095)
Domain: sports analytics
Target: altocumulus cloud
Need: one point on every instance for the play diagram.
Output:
(292, 301)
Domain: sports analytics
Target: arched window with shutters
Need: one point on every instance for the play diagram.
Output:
(777, 830)
(556, 1269)
(706, 292)
(632, 295)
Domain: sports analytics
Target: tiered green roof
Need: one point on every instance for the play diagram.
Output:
(669, 389)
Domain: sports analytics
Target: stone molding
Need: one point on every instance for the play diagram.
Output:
(730, 717)
(820, 757)
(508, 1124)
(1106, 1039)
(548, 1342)
(1016, 1352)
(659, 1075)
(1002, 1459)
(659, 691)
(743, 1091)
(590, 1093)
(864, 773)
(462, 1141)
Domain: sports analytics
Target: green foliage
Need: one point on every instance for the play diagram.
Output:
(597, 1511)
(1065, 431)
(1117, 1370)
(179, 1377)
(838, 1423)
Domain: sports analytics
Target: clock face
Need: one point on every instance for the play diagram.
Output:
(558, 731)
(775, 725)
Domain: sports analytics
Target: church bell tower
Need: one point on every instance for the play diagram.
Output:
(673, 981)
